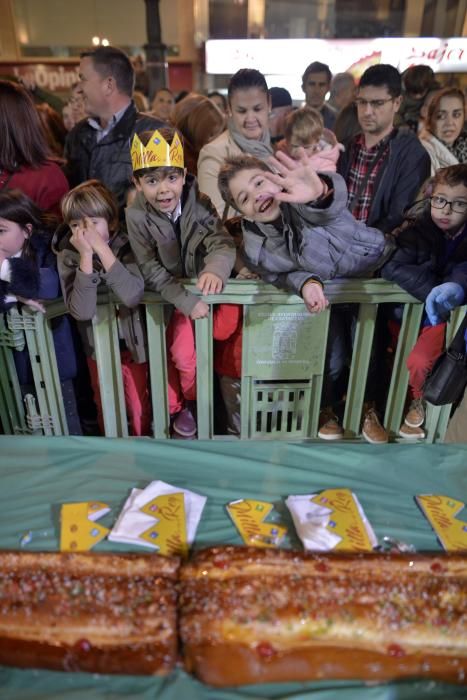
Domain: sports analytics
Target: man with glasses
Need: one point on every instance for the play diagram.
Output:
(384, 168)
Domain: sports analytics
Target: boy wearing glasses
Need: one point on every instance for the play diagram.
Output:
(430, 262)
(384, 168)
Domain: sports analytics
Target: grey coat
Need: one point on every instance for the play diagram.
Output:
(322, 241)
(80, 291)
(202, 244)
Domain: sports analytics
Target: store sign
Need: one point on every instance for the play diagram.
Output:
(53, 77)
(291, 56)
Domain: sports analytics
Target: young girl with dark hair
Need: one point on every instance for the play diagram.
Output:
(25, 162)
(28, 274)
(247, 132)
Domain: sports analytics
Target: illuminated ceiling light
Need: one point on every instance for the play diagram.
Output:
(105, 42)
(96, 41)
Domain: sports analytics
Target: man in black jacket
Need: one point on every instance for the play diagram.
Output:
(384, 167)
(99, 146)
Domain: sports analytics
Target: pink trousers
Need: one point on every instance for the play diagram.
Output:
(425, 352)
(181, 361)
(136, 388)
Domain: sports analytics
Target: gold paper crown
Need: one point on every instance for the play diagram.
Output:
(157, 153)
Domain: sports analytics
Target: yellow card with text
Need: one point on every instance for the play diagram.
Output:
(168, 533)
(249, 516)
(442, 512)
(78, 531)
(346, 520)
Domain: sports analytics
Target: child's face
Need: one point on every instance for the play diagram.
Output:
(310, 148)
(12, 238)
(443, 214)
(163, 194)
(99, 225)
(253, 195)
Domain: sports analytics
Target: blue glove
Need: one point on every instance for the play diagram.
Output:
(441, 300)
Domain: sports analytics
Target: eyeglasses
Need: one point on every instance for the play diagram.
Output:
(374, 104)
(459, 206)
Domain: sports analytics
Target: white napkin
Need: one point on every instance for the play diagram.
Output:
(310, 520)
(132, 522)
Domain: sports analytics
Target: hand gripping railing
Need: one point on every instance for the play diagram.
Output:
(282, 364)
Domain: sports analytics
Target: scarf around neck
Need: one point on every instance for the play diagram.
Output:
(459, 147)
(260, 149)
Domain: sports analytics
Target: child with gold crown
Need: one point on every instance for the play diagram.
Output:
(175, 233)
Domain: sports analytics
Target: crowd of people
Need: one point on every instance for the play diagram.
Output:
(371, 183)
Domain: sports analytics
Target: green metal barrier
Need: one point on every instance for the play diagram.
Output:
(284, 351)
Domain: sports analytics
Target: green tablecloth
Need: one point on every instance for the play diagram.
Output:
(38, 474)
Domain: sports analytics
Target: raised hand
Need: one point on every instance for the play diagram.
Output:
(298, 179)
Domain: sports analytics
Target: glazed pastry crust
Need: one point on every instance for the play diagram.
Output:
(255, 615)
(102, 613)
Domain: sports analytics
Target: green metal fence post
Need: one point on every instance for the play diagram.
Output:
(408, 335)
(107, 349)
(41, 350)
(158, 369)
(11, 402)
(359, 368)
(204, 376)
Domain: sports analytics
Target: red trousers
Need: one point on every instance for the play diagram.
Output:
(425, 352)
(181, 361)
(136, 388)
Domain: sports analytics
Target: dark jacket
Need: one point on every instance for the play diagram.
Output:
(312, 241)
(398, 181)
(165, 252)
(37, 278)
(419, 262)
(80, 291)
(329, 115)
(109, 160)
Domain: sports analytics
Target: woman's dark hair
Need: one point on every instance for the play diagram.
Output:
(216, 93)
(22, 137)
(418, 79)
(247, 78)
(199, 120)
(16, 206)
(54, 129)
